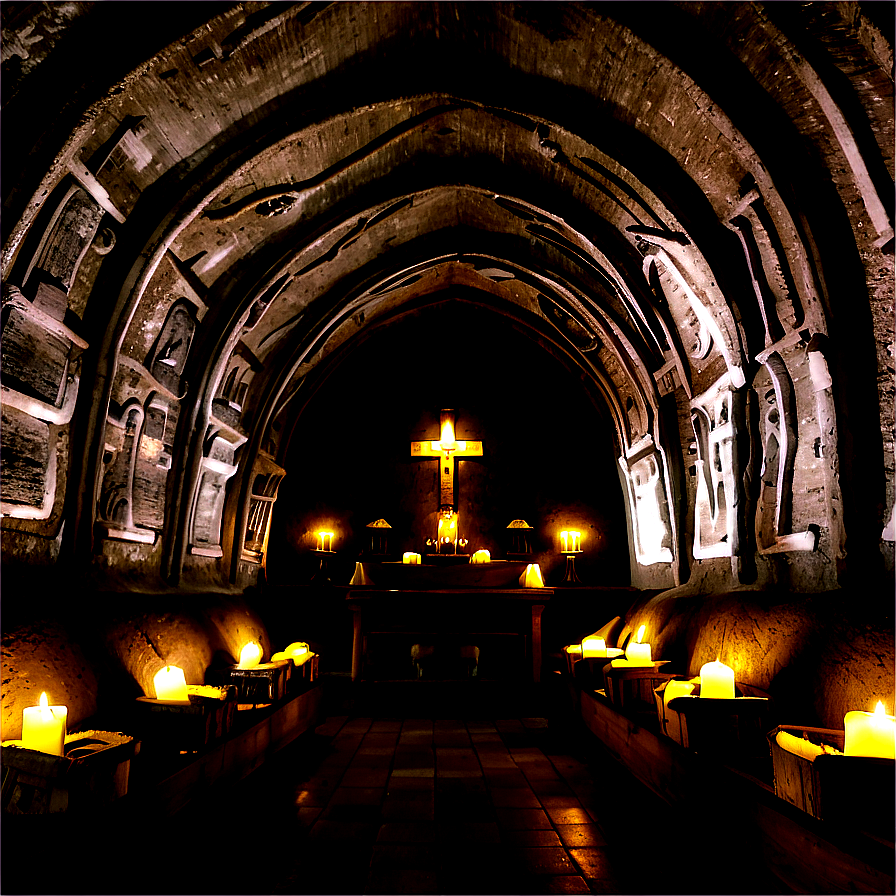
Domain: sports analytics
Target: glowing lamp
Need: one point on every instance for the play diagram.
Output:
(717, 681)
(171, 685)
(43, 727)
(594, 647)
(870, 733)
(250, 655)
(531, 578)
(481, 556)
(637, 653)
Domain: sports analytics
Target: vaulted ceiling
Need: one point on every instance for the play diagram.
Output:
(662, 194)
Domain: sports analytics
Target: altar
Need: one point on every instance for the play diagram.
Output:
(450, 619)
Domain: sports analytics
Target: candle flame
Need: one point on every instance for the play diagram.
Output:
(250, 655)
(640, 634)
(44, 702)
(447, 439)
(879, 709)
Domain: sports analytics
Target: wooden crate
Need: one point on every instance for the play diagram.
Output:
(265, 684)
(733, 728)
(630, 688)
(854, 790)
(92, 773)
(185, 728)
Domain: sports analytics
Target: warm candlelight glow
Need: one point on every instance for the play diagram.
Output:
(564, 542)
(481, 556)
(324, 536)
(594, 647)
(531, 578)
(640, 635)
(870, 733)
(575, 541)
(250, 655)
(171, 685)
(297, 648)
(410, 558)
(43, 727)
(717, 681)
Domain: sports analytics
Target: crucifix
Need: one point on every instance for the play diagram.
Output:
(446, 449)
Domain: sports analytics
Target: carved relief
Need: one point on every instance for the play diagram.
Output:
(28, 468)
(715, 524)
(115, 512)
(218, 466)
(652, 528)
(153, 461)
(266, 482)
(168, 357)
(778, 424)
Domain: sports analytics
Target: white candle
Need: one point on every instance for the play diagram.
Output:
(43, 727)
(594, 647)
(870, 733)
(576, 541)
(638, 654)
(717, 681)
(297, 648)
(677, 689)
(564, 542)
(171, 685)
(250, 655)
(407, 558)
(481, 556)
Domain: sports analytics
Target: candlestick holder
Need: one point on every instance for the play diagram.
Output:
(322, 576)
(854, 790)
(167, 726)
(630, 688)
(91, 774)
(262, 685)
(731, 727)
(569, 576)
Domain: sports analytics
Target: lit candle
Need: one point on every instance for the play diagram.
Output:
(323, 536)
(636, 653)
(717, 681)
(407, 558)
(870, 733)
(297, 648)
(171, 685)
(43, 727)
(576, 541)
(481, 556)
(250, 655)
(594, 647)
(564, 542)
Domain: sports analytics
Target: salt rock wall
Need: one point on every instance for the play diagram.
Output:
(93, 665)
(819, 656)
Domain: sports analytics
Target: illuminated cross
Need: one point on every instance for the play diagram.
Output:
(447, 448)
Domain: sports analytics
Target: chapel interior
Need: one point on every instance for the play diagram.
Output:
(515, 379)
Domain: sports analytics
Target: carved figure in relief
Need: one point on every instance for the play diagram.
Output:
(116, 496)
(168, 357)
(652, 527)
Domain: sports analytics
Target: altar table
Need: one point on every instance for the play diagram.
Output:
(454, 610)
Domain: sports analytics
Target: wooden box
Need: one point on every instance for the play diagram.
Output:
(729, 728)
(630, 688)
(857, 791)
(265, 684)
(92, 773)
(190, 727)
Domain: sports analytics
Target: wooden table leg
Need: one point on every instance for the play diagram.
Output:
(537, 610)
(357, 641)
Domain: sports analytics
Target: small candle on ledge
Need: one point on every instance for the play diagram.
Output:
(593, 647)
(637, 653)
(171, 685)
(717, 681)
(481, 556)
(43, 727)
(575, 541)
(250, 655)
(870, 733)
(407, 558)
(564, 542)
